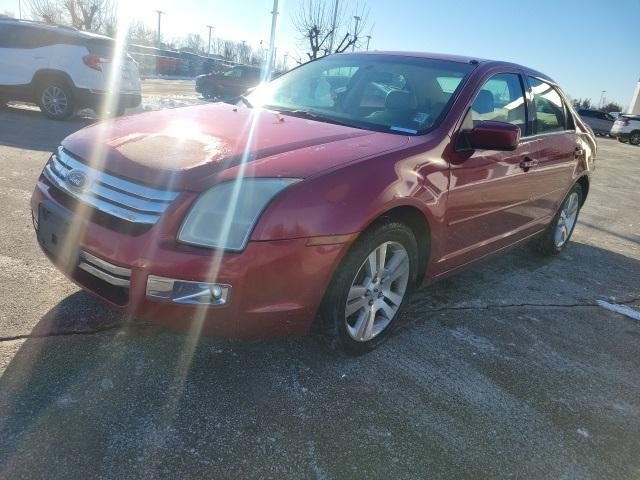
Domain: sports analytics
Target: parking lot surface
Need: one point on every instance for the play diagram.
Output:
(508, 370)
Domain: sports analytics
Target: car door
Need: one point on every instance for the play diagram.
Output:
(17, 62)
(557, 148)
(489, 199)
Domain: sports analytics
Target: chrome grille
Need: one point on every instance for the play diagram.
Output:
(112, 195)
(118, 276)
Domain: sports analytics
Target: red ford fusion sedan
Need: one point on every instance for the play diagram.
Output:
(321, 199)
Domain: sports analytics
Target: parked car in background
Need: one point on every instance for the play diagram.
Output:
(601, 122)
(229, 84)
(627, 129)
(63, 70)
(316, 203)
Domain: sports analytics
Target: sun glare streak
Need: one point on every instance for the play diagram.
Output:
(197, 320)
(98, 154)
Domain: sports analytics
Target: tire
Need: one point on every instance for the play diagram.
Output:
(555, 238)
(50, 90)
(634, 137)
(386, 293)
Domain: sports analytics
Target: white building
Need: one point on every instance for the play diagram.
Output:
(634, 106)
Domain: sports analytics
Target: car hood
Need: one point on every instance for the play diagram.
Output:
(193, 147)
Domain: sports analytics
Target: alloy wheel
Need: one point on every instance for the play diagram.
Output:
(377, 291)
(54, 100)
(567, 219)
(634, 139)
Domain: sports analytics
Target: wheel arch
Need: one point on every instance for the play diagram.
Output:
(48, 73)
(415, 219)
(583, 181)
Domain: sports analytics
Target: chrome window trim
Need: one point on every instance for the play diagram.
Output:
(113, 195)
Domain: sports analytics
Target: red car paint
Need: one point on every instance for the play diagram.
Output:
(473, 202)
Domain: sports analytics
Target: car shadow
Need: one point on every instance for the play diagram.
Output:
(24, 127)
(133, 400)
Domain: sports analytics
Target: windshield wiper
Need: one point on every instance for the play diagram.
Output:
(245, 100)
(313, 116)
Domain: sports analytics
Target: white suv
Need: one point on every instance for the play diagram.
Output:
(627, 128)
(63, 70)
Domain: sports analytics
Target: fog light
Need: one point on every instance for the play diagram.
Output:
(186, 292)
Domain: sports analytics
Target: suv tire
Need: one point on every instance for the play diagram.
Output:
(55, 99)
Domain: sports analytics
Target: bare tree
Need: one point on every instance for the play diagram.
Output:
(49, 11)
(140, 34)
(230, 50)
(91, 15)
(193, 42)
(314, 22)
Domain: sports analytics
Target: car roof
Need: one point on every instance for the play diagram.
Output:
(457, 58)
(61, 29)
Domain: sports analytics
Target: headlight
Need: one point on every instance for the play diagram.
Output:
(224, 215)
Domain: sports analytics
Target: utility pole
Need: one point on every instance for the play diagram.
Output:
(20, 9)
(286, 55)
(368, 40)
(602, 99)
(272, 41)
(209, 47)
(333, 26)
(160, 13)
(355, 33)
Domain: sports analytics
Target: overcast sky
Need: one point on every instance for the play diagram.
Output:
(585, 45)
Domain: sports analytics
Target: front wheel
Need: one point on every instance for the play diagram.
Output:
(558, 233)
(363, 302)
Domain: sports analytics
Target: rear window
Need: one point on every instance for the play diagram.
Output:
(101, 46)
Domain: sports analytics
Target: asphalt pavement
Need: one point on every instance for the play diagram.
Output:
(508, 370)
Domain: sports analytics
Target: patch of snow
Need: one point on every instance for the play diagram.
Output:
(621, 309)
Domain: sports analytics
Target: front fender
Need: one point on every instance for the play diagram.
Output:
(347, 200)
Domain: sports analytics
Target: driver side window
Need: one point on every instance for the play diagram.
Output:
(501, 99)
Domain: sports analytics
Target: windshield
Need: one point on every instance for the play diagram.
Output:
(377, 92)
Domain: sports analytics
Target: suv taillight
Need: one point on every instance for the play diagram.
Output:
(623, 121)
(94, 61)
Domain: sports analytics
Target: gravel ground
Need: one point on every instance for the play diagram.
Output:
(508, 370)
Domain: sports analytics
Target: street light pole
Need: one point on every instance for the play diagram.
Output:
(286, 55)
(355, 33)
(333, 26)
(272, 40)
(209, 47)
(160, 13)
(20, 9)
(602, 98)
(368, 40)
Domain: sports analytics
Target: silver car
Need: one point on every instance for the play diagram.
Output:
(599, 121)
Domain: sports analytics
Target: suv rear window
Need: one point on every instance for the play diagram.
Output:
(101, 46)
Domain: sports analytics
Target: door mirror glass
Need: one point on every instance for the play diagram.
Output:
(490, 135)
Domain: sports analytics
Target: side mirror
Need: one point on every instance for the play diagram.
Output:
(491, 135)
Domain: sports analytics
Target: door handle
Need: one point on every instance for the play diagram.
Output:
(527, 163)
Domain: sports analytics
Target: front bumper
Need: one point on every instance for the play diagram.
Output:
(275, 286)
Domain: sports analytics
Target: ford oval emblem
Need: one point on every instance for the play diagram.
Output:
(77, 180)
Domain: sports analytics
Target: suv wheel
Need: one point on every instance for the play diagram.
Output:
(557, 235)
(364, 299)
(634, 138)
(55, 100)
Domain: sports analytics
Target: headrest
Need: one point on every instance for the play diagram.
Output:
(484, 103)
(400, 100)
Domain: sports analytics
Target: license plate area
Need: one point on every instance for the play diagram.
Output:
(58, 235)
